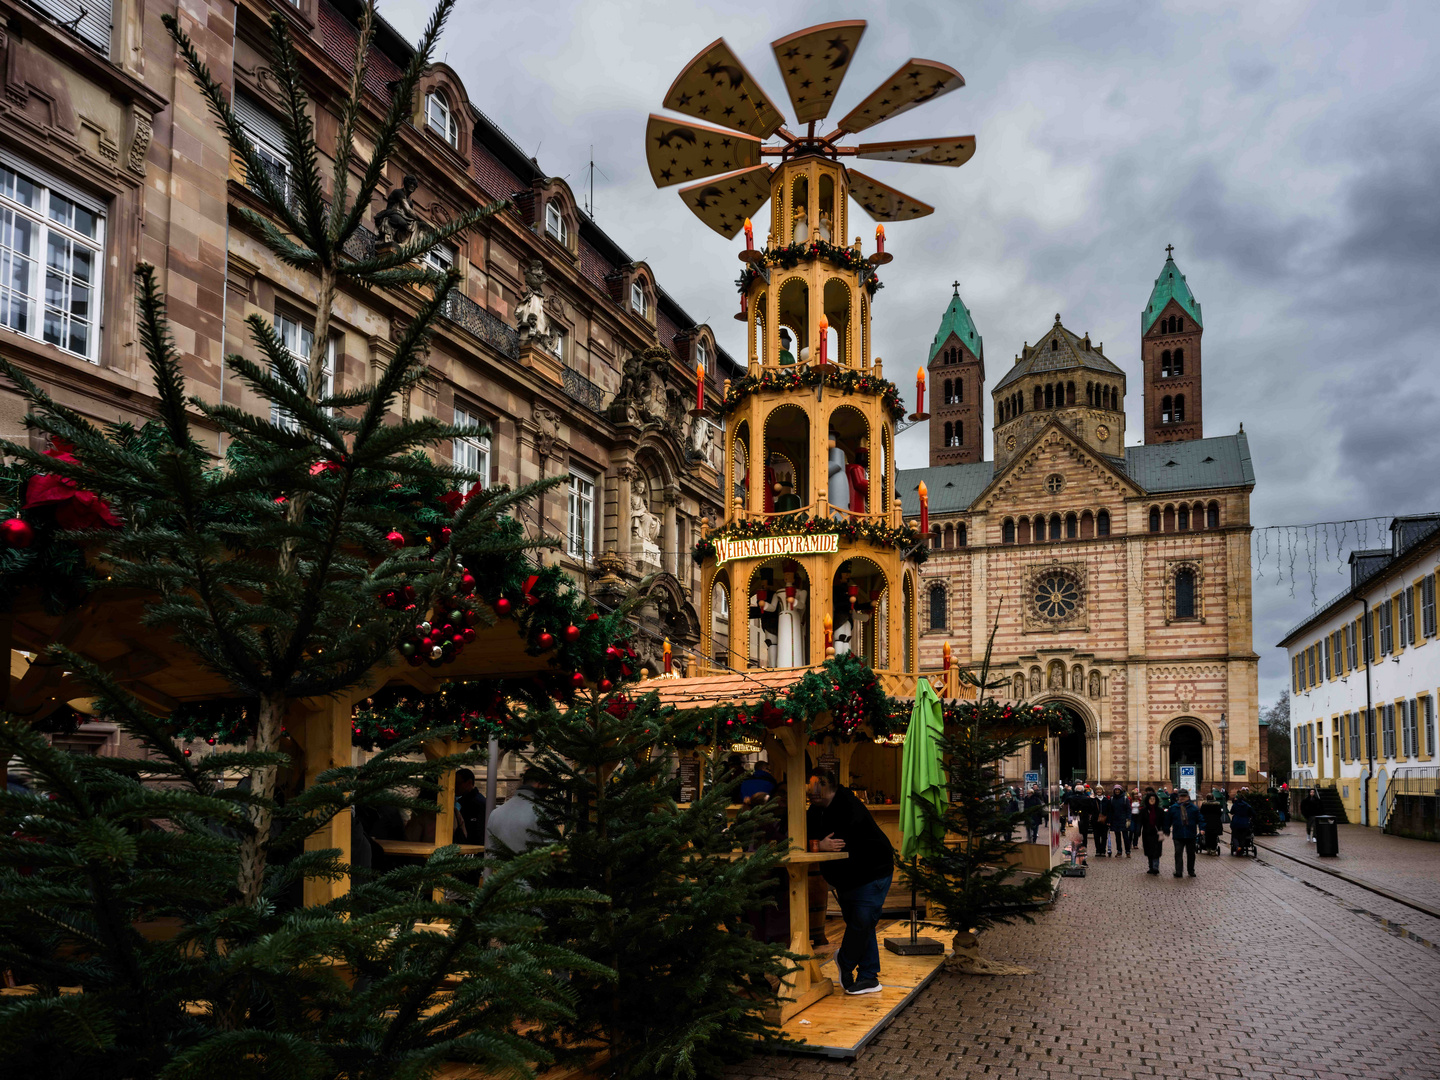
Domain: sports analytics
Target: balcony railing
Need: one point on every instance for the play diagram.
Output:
(468, 315)
(581, 389)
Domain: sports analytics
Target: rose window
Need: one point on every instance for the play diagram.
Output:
(1056, 596)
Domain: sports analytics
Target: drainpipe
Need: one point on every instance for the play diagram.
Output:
(1369, 710)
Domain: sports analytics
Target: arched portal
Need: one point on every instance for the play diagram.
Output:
(1074, 749)
(1187, 747)
(720, 650)
(858, 590)
(787, 455)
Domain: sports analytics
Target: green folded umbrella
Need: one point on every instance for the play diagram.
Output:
(922, 776)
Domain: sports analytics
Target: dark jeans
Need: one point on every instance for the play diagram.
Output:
(1102, 837)
(1122, 836)
(860, 907)
(1185, 845)
(1032, 831)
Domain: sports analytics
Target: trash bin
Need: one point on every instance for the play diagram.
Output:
(1327, 836)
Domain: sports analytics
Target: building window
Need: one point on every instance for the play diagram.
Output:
(1182, 518)
(1178, 368)
(1370, 733)
(472, 452)
(1165, 364)
(440, 258)
(1354, 736)
(1427, 706)
(937, 607)
(1154, 519)
(1212, 516)
(1387, 628)
(582, 515)
(1185, 594)
(1410, 729)
(1326, 652)
(1337, 646)
(51, 242)
(560, 341)
(1054, 526)
(1310, 667)
(1387, 730)
(89, 21)
(1294, 674)
(555, 225)
(441, 119)
(1102, 523)
(299, 339)
(1007, 531)
(1407, 617)
(702, 355)
(935, 538)
(1072, 527)
(960, 535)
(1351, 657)
(637, 300)
(1427, 606)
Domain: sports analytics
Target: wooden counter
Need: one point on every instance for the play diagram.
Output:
(423, 849)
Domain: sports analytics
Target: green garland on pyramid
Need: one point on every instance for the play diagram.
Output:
(797, 376)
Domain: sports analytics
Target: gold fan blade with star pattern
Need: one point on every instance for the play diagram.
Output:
(952, 152)
(813, 63)
(724, 202)
(716, 87)
(882, 202)
(917, 82)
(678, 151)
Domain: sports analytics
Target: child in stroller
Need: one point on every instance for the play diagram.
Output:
(1242, 828)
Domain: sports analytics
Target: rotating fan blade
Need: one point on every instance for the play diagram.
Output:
(678, 151)
(882, 202)
(952, 152)
(813, 62)
(724, 202)
(917, 82)
(716, 87)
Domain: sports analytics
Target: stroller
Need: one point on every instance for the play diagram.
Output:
(1242, 842)
(1211, 841)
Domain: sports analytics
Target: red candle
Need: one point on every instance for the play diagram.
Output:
(880, 239)
(699, 387)
(761, 596)
(854, 593)
(824, 337)
(919, 390)
(749, 236)
(945, 655)
(924, 507)
(667, 656)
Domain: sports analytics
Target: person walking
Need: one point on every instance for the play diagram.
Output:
(1120, 820)
(1211, 812)
(1182, 824)
(840, 822)
(1067, 798)
(1242, 824)
(469, 809)
(1034, 807)
(1135, 817)
(1310, 806)
(1152, 820)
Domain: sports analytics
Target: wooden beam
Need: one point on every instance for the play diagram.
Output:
(325, 724)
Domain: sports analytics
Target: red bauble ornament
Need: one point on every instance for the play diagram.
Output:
(546, 639)
(592, 617)
(468, 581)
(578, 679)
(468, 634)
(502, 607)
(611, 652)
(458, 639)
(572, 632)
(187, 753)
(605, 685)
(17, 533)
(396, 539)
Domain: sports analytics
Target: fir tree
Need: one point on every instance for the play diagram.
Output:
(975, 879)
(278, 593)
(690, 985)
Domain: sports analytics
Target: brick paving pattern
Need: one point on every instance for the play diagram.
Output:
(1249, 970)
(1409, 868)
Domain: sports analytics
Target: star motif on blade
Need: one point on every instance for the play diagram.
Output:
(666, 174)
(684, 100)
(790, 54)
(707, 162)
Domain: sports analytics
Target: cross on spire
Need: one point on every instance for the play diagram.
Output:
(956, 286)
(1169, 251)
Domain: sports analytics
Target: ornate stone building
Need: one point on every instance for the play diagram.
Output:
(1116, 578)
(565, 346)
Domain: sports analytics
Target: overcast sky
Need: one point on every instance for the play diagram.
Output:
(1289, 151)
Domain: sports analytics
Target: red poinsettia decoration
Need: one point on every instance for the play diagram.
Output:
(74, 507)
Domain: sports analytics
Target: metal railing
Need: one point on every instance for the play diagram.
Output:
(468, 315)
(579, 388)
(1411, 803)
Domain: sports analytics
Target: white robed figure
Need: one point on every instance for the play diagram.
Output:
(839, 486)
(790, 646)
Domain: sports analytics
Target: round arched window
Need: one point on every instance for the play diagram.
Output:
(1056, 596)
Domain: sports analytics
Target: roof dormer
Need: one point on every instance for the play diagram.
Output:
(556, 216)
(443, 110)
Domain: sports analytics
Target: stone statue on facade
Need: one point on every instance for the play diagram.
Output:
(396, 224)
(531, 321)
(644, 530)
(1095, 685)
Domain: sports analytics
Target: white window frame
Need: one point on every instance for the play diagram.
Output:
(441, 258)
(440, 118)
(556, 227)
(297, 337)
(702, 355)
(1427, 606)
(580, 530)
(639, 302)
(89, 21)
(265, 135)
(44, 229)
(562, 339)
(471, 453)
(1352, 656)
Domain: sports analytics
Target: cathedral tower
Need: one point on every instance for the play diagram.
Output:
(1170, 332)
(957, 385)
(1066, 378)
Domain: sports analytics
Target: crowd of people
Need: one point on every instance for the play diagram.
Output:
(1112, 824)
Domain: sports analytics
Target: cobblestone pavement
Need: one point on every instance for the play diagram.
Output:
(1249, 970)
(1408, 868)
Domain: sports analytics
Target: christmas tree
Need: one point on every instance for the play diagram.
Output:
(689, 985)
(975, 878)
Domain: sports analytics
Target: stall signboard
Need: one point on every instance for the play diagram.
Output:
(1032, 778)
(727, 550)
(689, 779)
(1187, 779)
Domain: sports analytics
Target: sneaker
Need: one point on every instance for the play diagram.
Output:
(1192, 873)
(864, 986)
(1178, 874)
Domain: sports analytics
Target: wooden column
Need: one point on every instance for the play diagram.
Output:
(324, 727)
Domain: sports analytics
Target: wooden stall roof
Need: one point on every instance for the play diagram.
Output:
(711, 690)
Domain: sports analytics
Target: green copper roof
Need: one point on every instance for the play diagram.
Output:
(1170, 285)
(957, 320)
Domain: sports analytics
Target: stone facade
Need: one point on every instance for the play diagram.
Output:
(1116, 581)
(556, 339)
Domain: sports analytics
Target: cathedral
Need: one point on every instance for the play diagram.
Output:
(1116, 578)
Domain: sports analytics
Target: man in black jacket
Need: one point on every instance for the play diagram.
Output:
(1120, 820)
(838, 821)
(1035, 813)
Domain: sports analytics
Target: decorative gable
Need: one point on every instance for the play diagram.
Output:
(1055, 471)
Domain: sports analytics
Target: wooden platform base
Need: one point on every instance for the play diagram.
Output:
(839, 1026)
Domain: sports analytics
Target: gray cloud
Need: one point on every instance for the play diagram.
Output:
(1289, 150)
